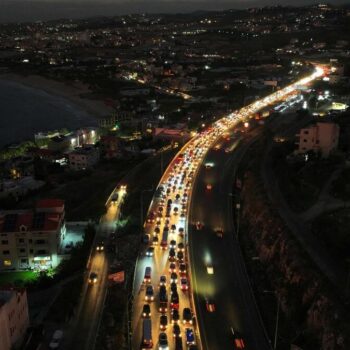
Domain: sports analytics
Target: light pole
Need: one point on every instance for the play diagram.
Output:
(141, 203)
(277, 316)
(237, 207)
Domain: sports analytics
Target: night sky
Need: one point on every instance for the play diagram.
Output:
(31, 10)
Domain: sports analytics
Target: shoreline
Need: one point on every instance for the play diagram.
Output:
(70, 91)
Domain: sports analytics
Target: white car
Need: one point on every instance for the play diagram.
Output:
(56, 339)
(210, 269)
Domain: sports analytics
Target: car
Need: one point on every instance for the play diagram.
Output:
(181, 229)
(151, 217)
(182, 269)
(173, 228)
(178, 343)
(172, 267)
(148, 275)
(163, 322)
(187, 315)
(199, 225)
(209, 187)
(210, 305)
(184, 283)
(176, 330)
(172, 254)
(238, 342)
(210, 269)
(175, 317)
(173, 277)
(174, 300)
(56, 339)
(156, 231)
(219, 232)
(176, 210)
(163, 341)
(173, 287)
(172, 244)
(146, 311)
(150, 251)
(155, 240)
(181, 247)
(100, 246)
(162, 280)
(93, 278)
(189, 336)
(180, 256)
(149, 294)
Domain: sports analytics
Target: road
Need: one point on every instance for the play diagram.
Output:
(178, 180)
(228, 287)
(93, 296)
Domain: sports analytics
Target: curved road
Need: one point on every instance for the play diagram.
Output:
(228, 287)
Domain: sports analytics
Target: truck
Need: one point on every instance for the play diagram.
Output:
(147, 342)
(164, 241)
(163, 299)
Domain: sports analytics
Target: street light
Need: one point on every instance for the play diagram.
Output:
(277, 315)
(141, 203)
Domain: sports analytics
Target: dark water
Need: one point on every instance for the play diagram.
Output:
(25, 111)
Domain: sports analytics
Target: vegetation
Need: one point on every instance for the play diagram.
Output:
(332, 230)
(301, 181)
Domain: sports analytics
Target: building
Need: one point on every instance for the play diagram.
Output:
(83, 158)
(171, 135)
(110, 146)
(14, 317)
(59, 143)
(31, 238)
(320, 138)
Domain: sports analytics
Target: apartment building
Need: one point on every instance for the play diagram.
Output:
(14, 317)
(31, 238)
(83, 158)
(321, 138)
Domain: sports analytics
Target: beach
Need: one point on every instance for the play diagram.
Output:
(33, 103)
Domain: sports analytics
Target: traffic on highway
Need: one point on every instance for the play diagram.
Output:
(164, 309)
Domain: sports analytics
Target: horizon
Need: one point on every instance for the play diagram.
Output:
(12, 11)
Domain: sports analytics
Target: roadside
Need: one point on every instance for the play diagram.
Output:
(282, 274)
(141, 183)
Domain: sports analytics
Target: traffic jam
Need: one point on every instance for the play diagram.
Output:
(166, 282)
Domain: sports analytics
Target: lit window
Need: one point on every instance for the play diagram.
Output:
(7, 263)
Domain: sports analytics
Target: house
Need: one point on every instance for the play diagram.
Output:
(31, 238)
(320, 138)
(110, 146)
(83, 158)
(14, 317)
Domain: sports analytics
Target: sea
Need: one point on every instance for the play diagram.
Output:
(25, 111)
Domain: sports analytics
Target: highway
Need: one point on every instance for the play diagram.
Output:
(93, 296)
(228, 287)
(236, 307)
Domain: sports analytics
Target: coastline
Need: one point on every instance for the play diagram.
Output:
(70, 91)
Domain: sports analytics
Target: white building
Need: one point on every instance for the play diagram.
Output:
(320, 138)
(83, 158)
(14, 317)
(31, 238)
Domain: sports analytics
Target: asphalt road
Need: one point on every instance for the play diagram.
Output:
(159, 264)
(93, 296)
(228, 287)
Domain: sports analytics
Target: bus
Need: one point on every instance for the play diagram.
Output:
(147, 342)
